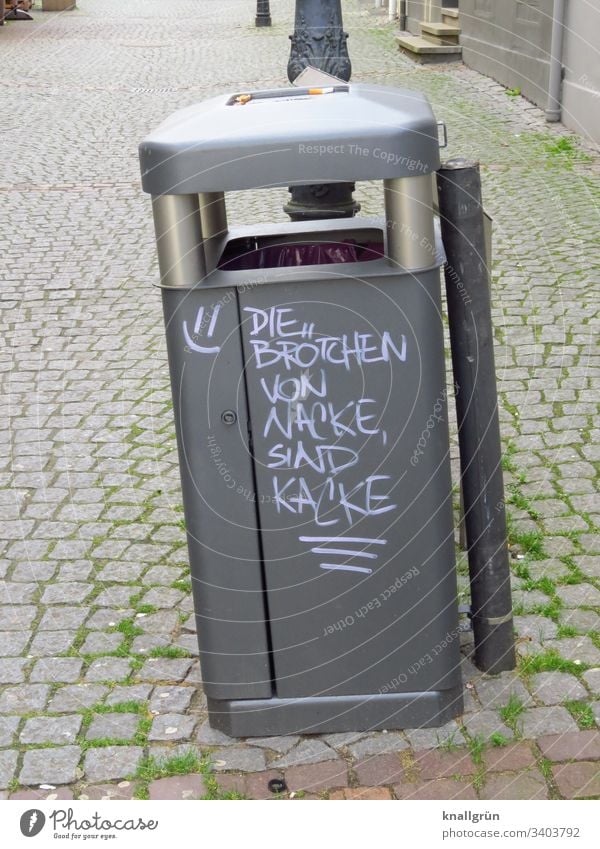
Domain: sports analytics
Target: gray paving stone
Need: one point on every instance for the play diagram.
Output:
(24, 698)
(49, 643)
(51, 729)
(12, 643)
(589, 564)
(129, 693)
(343, 739)
(146, 643)
(161, 622)
(116, 596)
(431, 738)
(172, 727)
(110, 763)
(17, 618)
(171, 699)
(8, 767)
(208, 736)
(529, 600)
(69, 592)
(190, 624)
(50, 766)
(117, 572)
(17, 593)
(107, 617)
(496, 692)
(238, 759)
(188, 642)
(109, 549)
(162, 597)
(579, 595)
(162, 575)
(484, 724)
(77, 697)
(113, 726)
(34, 571)
(537, 628)
(12, 670)
(108, 669)
(379, 744)
(275, 744)
(538, 721)
(63, 618)
(559, 546)
(552, 569)
(309, 751)
(100, 643)
(580, 649)
(592, 679)
(8, 728)
(194, 676)
(582, 620)
(165, 669)
(553, 688)
(61, 670)
(78, 570)
(70, 549)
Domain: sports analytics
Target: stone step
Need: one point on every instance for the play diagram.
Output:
(423, 50)
(440, 33)
(451, 14)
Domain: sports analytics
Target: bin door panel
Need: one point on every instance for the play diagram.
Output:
(205, 358)
(347, 396)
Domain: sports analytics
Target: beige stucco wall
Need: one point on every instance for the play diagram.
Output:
(581, 60)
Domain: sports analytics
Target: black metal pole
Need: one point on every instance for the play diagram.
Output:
(263, 13)
(471, 337)
(319, 40)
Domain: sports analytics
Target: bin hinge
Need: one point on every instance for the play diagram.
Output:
(444, 132)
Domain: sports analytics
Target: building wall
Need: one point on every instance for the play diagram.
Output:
(581, 60)
(509, 40)
(422, 10)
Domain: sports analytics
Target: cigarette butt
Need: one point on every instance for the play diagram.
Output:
(243, 98)
(320, 91)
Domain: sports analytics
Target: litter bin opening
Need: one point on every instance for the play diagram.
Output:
(302, 249)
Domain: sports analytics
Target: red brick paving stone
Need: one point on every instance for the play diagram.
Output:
(380, 769)
(59, 793)
(509, 758)
(436, 764)
(571, 746)
(124, 790)
(232, 783)
(257, 785)
(443, 788)
(178, 787)
(252, 786)
(372, 793)
(315, 777)
(524, 785)
(576, 781)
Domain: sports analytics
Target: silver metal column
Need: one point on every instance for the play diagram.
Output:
(213, 218)
(409, 216)
(179, 239)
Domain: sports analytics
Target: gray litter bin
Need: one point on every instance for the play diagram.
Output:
(309, 390)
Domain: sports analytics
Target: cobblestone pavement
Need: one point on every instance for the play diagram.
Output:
(99, 668)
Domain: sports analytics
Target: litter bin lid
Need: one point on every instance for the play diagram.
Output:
(291, 136)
